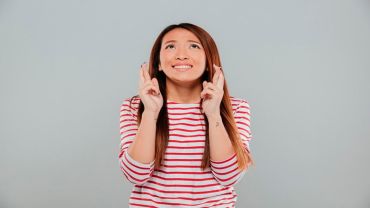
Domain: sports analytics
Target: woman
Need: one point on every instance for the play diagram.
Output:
(184, 139)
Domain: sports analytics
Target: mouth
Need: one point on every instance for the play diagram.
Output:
(184, 67)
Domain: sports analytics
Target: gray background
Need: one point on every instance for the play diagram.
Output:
(67, 65)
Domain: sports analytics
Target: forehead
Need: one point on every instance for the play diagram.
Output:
(179, 34)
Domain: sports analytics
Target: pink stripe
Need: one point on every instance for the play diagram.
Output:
(182, 160)
(181, 166)
(183, 153)
(183, 179)
(185, 124)
(130, 124)
(241, 117)
(143, 168)
(227, 160)
(192, 147)
(185, 113)
(136, 180)
(127, 120)
(227, 179)
(179, 185)
(183, 172)
(132, 171)
(141, 205)
(187, 130)
(225, 173)
(187, 141)
(182, 198)
(242, 112)
(184, 135)
(239, 122)
(182, 192)
(219, 168)
(128, 135)
(191, 119)
(180, 204)
(182, 108)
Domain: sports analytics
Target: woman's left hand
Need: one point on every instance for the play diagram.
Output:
(213, 93)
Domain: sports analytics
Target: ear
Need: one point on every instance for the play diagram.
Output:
(159, 67)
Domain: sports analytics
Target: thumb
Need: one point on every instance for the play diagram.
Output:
(155, 82)
(204, 84)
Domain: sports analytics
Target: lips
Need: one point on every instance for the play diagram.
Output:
(182, 66)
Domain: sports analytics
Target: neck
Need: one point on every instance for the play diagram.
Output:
(184, 93)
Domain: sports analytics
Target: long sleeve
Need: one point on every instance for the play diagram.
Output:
(134, 171)
(226, 172)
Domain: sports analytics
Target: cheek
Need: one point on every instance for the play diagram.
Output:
(202, 58)
(202, 61)
(164, 58)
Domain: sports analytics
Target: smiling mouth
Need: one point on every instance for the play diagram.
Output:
(182, 67)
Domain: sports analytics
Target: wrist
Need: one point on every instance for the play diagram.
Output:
(214, 116)
(150, 114)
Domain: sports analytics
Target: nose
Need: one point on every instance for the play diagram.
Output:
(181, 58)
(181, 54)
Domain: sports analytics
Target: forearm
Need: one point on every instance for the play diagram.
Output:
(142, 149)
(224, 163)
(219, 141)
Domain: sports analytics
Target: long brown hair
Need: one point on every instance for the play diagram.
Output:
(162, 126)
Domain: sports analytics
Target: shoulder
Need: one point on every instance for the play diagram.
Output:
(131, 104)
(239, 104)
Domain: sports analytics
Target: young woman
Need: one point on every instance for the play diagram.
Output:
(184, 139)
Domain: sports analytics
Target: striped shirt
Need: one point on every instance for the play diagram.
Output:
(180, 181)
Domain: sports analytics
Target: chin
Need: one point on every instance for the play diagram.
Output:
(187, 81)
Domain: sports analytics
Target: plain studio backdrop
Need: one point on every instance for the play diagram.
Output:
(303, 66)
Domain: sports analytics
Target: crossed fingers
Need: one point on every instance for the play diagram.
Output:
(146, 82)
(216, 86)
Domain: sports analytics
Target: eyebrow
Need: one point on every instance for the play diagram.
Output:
(192, 41)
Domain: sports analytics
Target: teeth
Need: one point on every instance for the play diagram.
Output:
(182, 67)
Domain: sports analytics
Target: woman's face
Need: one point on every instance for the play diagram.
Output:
(182, 57)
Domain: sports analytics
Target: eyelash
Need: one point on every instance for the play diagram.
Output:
(171, 45)
(168, 46)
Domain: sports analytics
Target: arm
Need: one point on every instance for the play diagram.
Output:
(223, 158)
(136, 156)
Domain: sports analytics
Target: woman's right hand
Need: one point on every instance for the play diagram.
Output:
(149, 92)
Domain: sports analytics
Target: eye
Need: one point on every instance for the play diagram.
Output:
(169, 46)
(194, 46)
